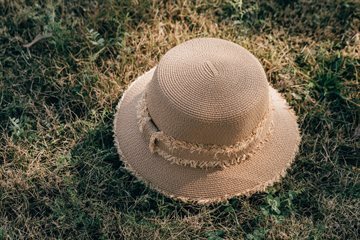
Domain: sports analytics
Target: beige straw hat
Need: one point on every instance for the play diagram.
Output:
(204, 125)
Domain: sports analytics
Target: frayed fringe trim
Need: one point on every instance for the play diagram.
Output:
(142, 114)
(172, 144)
(207, 164)
(208, 201)
(200, 164)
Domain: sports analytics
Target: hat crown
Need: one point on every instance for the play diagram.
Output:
(208, 91)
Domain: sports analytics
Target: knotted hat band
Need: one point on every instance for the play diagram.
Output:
(201, 155)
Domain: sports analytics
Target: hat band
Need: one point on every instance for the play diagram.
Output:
(201, 155)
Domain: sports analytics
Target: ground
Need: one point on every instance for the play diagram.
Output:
(60, 175)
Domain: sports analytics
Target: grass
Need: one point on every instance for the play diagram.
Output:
(60, 175)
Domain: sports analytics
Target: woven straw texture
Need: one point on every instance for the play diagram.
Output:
(207, 92)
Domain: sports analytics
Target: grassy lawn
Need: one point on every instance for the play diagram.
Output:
(60, 175)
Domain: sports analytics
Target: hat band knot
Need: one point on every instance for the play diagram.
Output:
(201, 155)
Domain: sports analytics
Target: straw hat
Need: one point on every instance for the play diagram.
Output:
(204, 125)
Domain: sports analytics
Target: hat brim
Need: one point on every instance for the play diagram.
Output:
(265, 167)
